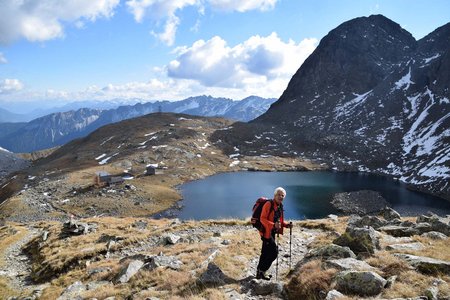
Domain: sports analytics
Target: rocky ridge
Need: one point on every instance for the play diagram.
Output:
(59, 128)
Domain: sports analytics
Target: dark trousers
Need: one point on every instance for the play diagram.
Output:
(269, 253)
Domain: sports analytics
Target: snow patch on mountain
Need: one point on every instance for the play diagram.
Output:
(404, 81)
(347, 108)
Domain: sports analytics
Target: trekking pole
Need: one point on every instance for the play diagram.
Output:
(290, 245)
(278, 252)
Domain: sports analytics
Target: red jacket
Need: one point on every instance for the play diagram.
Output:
(266, 219)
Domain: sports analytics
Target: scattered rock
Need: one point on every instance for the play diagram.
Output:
(128, 272)
(389, 214)
(96, 284)
(434, 235)
(331, 251)
(73, 291)
(423, 227)
(214, 276)
(359, 240)
(74, 227)
(426, 265)
(390, 281)
(410, 246)
(389, 239)
(366, 221)
(349, 264)
(360, 283)
(164, 261)
(440, 225)
(170, 239)
(45, 235)
(399, 231)
(334, 218)
(334, 295)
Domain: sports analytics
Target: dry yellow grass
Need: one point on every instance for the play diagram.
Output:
(69, 259)
(326, 224)
(412, 284)
(388, 264)
(438, 249)
(310, 281)
(5, 290)
(72, 258)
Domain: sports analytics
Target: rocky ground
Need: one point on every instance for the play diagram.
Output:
(18, 266)
(360, 257)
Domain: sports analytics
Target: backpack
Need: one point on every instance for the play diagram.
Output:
(257, 209)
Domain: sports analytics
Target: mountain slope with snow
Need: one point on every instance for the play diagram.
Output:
(369, 98)
(59, 128)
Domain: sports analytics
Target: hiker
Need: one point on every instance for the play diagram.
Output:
(273, 223)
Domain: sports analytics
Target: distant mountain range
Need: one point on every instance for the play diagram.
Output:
(59, 128)
(39, 109)
(369, 98)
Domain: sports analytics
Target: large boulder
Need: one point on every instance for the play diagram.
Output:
(359, 240)
(76, 227)
(389, 214)
(406, 247)
(426, 265)
(170, 239)
(73, 291)
(214, 276)
(360, 202)
(163, 261)
(330, 251)
(366, 221)
(423, 227)
(437, 223)
(399, 231)
(440, 225)
(434, 235)
(349, 264)
(361, 283)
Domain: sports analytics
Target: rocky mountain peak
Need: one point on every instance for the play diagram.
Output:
(369, 98)
(352, 58)
(438, 40)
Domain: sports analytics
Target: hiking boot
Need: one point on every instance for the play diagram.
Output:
(262, 275)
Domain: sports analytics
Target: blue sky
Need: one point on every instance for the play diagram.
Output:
(54, 51)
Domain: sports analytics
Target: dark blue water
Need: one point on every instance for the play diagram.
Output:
(232, 195)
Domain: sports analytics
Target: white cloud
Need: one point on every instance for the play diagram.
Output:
(259, 60)
(160, 10)
(165, 11)
(170, 29)
(157, 9)
(3, 60)
(8, 86)
(44, 19)
(242, 6)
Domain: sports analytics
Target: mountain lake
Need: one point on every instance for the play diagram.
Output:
(232, 195)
